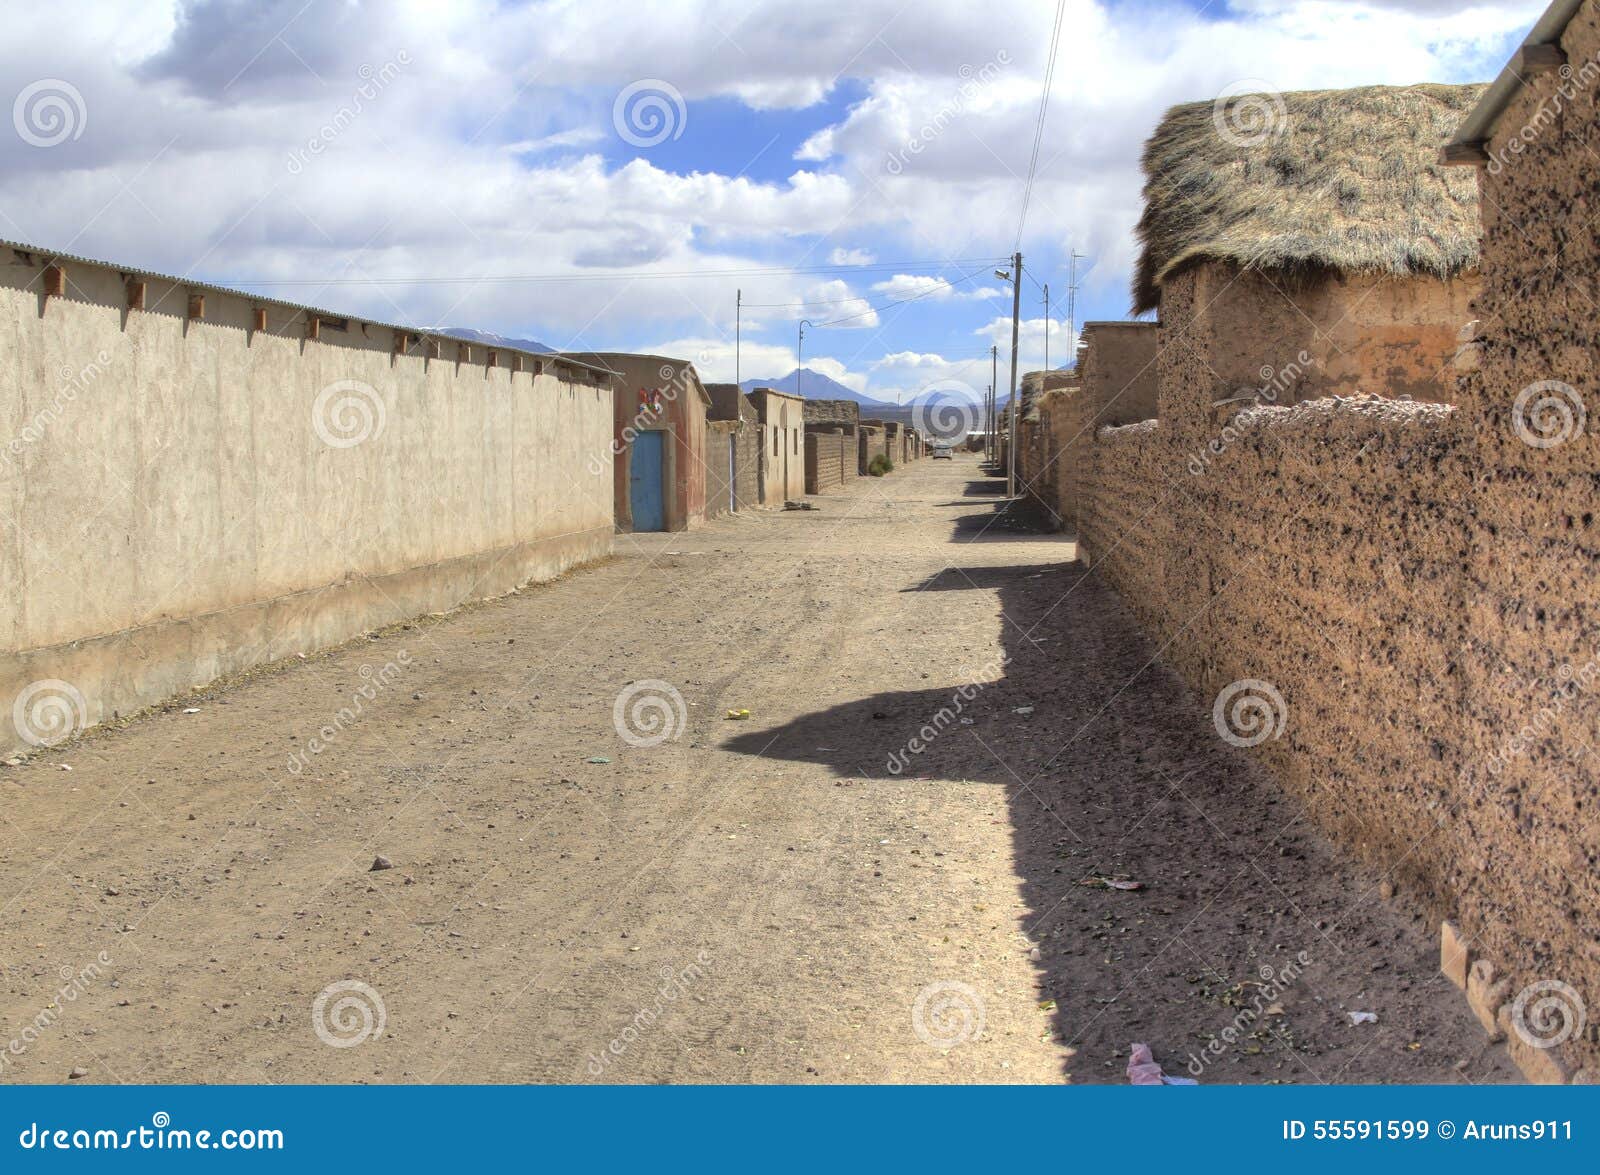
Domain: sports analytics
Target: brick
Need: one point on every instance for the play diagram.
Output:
(1454, 958)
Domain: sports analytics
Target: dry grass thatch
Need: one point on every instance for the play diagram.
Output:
(1348, 180)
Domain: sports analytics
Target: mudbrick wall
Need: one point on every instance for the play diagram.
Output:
(747, 476)
(719, 473)
(870, 444)
(1326, 334)
(829, 455)
(1529, 803)
(1406, 587)
(1116, 373)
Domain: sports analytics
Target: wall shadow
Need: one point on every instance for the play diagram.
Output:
(1112, 768)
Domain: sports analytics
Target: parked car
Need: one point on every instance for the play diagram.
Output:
(944, 451)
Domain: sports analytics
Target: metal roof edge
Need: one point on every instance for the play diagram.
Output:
(1480, 121)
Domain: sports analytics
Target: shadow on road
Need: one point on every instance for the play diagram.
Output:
(1112, 770)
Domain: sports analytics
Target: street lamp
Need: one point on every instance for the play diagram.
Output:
(799, 364)
(1014, 276)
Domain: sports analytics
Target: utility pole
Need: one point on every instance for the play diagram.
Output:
(1047, 326)
(1016, 321)
(738, 313)
(990, 441)
(800, 342)
(1072, 307)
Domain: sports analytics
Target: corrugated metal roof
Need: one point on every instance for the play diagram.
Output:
(51, 255)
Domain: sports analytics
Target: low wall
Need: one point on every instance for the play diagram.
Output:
(870, 444)
(189, 496)
(1370, 571)
(829, 455)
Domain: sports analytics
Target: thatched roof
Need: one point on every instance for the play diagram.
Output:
(1348, 180)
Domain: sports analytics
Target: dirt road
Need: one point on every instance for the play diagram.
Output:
(760, 899)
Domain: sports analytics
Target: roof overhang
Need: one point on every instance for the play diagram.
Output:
(1540, 53)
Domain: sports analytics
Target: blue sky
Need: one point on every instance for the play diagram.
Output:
(405, 160)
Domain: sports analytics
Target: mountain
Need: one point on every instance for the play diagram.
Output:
(488, 339)
(815, 386)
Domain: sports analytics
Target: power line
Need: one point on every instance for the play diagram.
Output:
(944, 285)
(615, 274)
(1038, 130)
(902, 301)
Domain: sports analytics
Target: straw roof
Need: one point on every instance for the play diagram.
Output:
(1348, 180)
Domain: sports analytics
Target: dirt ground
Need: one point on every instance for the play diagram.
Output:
(751, 900)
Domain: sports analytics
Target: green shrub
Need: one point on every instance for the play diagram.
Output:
(880, 465)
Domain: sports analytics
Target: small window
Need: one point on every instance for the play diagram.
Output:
(796, 442)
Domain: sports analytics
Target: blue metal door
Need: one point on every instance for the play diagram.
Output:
(644, 482)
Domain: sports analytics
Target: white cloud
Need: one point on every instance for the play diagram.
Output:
(850, 257)
(463, 164)
(835, 306)
(906, 286)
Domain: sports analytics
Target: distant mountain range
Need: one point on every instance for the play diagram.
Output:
(489, 339)
(815, 386)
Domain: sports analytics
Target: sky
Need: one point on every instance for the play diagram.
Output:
(601, 175)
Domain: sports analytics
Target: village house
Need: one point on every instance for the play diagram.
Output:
(227, 480)
(736, 474)
(783, 459)
(658, 450)
(1329, 254)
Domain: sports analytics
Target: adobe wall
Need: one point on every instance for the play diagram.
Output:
(829, 453)
(1413, 580)
(187, 498)
(747, 480)
(719, 472)
(846, 412)
(1376, 334)
(1529, 870)
(870, 443)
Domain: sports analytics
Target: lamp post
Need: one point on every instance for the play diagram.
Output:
(799, 364)
(1015, 278)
